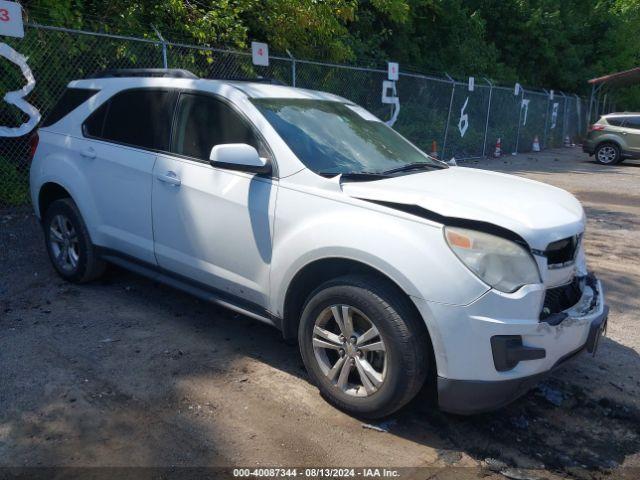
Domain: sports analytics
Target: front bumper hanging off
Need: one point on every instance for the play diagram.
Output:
(475, 396)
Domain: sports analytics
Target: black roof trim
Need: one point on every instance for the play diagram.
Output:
(145, 72)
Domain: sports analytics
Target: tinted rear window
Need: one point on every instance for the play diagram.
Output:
(615, 121)
(632, 122)
(71, 99)
(141, 118)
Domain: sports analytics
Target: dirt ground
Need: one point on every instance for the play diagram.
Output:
(126, 372)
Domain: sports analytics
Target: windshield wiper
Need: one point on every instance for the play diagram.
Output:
(358, 176)
(415, 166)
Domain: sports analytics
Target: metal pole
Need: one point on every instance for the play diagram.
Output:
(579, 114)
(564, 117)
(293, 68)
(446, 128)
(593, 92)
(597, 115)
(546, 118)
(519, 121)
(486, 125)
(165, 63)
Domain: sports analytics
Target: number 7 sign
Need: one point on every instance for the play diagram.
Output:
(11, 19)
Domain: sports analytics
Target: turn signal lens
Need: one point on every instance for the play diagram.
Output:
(458, 240)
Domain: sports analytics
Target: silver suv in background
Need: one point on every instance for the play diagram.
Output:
(613, 138)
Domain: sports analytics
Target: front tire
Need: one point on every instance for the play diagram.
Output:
(363, 345)
(608, 154)
(68, 243)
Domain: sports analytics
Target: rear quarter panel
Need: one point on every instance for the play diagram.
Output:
(54, 162)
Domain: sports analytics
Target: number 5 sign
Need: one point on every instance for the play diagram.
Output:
(11, 19)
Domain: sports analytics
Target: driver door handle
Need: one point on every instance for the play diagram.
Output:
(170, 177)
(88, 153)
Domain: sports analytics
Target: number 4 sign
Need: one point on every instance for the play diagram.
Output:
(393, 70)
(260, 54)
(11, 19)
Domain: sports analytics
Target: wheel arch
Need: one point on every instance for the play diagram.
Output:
(318, 271)
(606, 140)
(50, 192)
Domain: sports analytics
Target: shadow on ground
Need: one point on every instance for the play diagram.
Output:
(129, 372)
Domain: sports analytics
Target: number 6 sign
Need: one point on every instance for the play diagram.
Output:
(16, 97)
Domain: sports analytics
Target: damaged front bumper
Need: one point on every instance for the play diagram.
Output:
(507, 356)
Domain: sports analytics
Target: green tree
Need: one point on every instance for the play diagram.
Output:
(557, 44)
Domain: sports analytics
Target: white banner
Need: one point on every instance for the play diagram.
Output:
(16, 97)
(463, 123)
(524, 105)
(554, 115)
(391, 99)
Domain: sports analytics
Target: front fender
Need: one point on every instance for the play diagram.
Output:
(410, 251)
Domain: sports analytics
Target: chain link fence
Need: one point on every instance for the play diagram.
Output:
(443, 116)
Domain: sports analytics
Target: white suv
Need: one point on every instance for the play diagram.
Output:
(303, 210)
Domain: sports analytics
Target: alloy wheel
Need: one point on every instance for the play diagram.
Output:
(63, 240)
(350, 350)
(607, 154)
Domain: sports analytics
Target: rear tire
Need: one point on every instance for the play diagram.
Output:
(608, 154)
(68, 243)
(377, 365)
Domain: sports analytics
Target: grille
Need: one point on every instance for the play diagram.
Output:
(561, 298)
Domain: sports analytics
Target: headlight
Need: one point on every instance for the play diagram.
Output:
(501, 263)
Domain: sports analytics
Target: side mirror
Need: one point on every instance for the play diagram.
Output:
(238, 156)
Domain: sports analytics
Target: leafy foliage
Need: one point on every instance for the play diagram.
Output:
(556, 43)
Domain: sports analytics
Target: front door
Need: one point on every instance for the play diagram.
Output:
(212, 225)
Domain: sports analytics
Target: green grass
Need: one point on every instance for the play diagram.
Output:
(14, 184)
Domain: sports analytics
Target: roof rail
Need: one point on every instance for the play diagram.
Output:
(258, 79)
(145, 72)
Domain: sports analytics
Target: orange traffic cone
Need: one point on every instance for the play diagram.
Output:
(434, 149)
(536, 144)
(498, 150)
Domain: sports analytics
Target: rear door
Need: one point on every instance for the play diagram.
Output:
(118, 152)
(212, 225)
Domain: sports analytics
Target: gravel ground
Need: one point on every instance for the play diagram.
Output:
(126, 372)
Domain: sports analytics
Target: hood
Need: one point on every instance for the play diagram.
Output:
(538, 212)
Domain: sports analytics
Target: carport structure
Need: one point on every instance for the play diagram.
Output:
(600, 101)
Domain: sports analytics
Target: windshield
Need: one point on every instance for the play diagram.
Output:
(333, 138)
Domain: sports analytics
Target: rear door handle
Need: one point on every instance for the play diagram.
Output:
(88, 153)
(170, 177)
